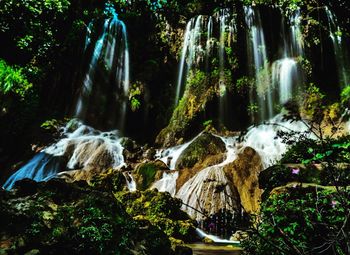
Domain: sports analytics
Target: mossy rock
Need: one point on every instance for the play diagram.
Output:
(162, 211)
(147, 173)
(111, 180)
(205, 145)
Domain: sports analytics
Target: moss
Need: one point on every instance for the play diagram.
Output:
(146, 174)
(204, 146)
(112, 180)
(161, 210)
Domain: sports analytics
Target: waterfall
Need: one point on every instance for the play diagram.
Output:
(295, 47)
(264, 140)
(340, 49)
(82, 149)
(167, 183)
(209, 43)
(198, 50)
(130, 182)
(88, 35)
(85, 151)
(191, 51)
(284, 76)
(258, 63)
(104, 94)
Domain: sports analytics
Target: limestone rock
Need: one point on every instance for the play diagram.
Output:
(244, 173)
(208, 192)
(187, 173)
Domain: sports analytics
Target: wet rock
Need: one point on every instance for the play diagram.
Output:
(147, 173)
(208, 192)
(187, 173)
(204, 146)
(149, 154)
(207, 240)
(26, 187)
(244, 173)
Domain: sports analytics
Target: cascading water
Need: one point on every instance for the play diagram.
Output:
(284, 75)
(293, 40)
(82, 149)
(340, 49)
(130, 182)
(191, 50)
(103, 96)
(85, 151)
(167, 183)
(264, 139)
(214, 238)
(198, 50)
(258, 64)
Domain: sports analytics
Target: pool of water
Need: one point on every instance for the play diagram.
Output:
(210, 249)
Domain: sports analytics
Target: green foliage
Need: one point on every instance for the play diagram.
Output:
(135, 92)
(196, 79)
(74, 219)
(207, 123)
(286, 4)
(312, 151)
(244, 84)
(300, 221)
(13, 81)
(345, 97)
(18, 100)
(253, 108)
(33, 23)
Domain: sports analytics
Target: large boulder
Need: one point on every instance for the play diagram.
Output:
(208, 192)
(243, 173)
(202, 147)
(147, 173)
(187, 173)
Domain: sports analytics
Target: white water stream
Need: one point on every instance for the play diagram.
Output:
(84, 148)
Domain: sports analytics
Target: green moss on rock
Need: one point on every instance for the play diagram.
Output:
(161, 210)
(204, 146)
(147, 173)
